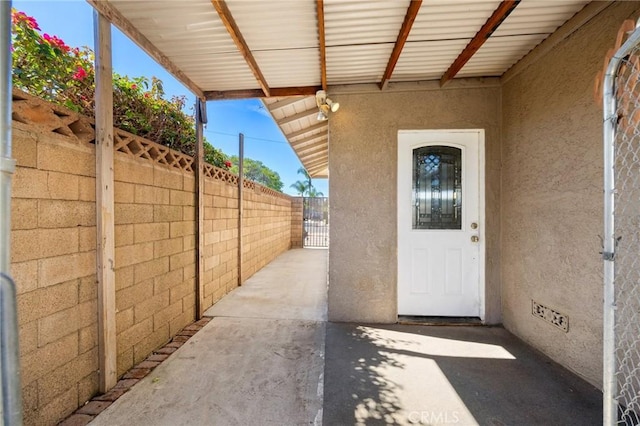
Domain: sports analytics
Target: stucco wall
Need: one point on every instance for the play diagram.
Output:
(363, 185)
(552, 196)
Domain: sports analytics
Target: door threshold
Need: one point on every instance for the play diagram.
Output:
(421, 320)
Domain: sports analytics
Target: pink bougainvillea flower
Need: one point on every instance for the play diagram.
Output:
(80, 74)
(147, 95)
(54, 41)
(18, 17)
(228, 163)
(134, 86)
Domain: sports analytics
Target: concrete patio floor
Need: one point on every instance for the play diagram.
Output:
(261, 361)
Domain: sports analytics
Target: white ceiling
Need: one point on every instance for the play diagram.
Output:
(283, 38)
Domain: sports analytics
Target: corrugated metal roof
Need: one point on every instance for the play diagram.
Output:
(282, 36)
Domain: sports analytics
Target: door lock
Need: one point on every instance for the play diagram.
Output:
(475, 238)
(474, 225)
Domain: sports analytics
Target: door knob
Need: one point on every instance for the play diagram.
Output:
(475, 238)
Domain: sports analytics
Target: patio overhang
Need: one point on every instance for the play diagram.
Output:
(251, 49)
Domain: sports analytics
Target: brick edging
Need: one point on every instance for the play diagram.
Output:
(99, 403)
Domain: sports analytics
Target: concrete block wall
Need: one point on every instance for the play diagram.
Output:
(220, 240)
(54, 250)
(297, 213)
(266, 230)
(53, 264)
(155, 256)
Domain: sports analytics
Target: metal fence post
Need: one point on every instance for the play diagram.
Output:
(620, 187)
(9, 353)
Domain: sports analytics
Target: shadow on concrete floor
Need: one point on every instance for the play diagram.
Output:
(400, 375)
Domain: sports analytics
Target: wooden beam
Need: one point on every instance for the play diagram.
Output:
(113, 15)
(317, 156)
(316, 169)
(320, 125)
(105, 207)
(199, 290)
(284, 103)
(323, 43)
(313, 149)
(314, 163)
(243, 47)
(298, 116)
(299, 147)
(308, 138)
(405, 29)
(497, 17)
(257, 93)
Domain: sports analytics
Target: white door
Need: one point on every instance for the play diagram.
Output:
(440, 245)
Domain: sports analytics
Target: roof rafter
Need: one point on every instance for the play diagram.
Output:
(317, 174)
(409, 18)
(316, 166)
(257, 93)
(116, 18)
(315, 169)
(236, 35)
(497, 17)
(321, 125)
(298, 116)
(308, 138)
(323, 44)
(284, 103)
(313, 149)
(316, 156)
(306, 145)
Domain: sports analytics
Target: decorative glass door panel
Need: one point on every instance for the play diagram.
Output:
(437, 187)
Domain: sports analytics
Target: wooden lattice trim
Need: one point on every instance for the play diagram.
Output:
(47, 117)
(138, 147)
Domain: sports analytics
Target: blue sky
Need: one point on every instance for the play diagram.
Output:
(72, 21)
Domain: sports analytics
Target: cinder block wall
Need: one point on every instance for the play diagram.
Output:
(155, 256)
(54, 250)
(296, 221)
(266, 229)
(220, 240)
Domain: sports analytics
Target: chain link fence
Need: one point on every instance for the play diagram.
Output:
(622, 236)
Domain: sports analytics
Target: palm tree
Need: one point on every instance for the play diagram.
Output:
(300, 187)
(315, 193)
(304, 186)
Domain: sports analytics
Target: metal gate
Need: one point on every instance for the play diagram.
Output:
(315, 230)
(621, 369)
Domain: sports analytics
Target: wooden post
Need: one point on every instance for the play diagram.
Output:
(105, 239)
(240, 210)
(201, 118)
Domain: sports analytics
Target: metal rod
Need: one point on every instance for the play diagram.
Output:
(9, 351)
(610, 405)
(240, 206)
(201, 118)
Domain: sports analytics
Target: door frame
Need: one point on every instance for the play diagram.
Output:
(481, 205)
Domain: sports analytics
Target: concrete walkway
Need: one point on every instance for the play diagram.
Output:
(258, 362)
(261, 361)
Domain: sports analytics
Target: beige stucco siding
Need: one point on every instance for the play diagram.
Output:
(363, 141)
(552, 196)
